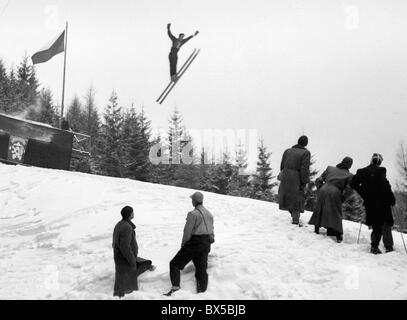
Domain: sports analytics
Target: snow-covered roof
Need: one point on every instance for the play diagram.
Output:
(29, 121)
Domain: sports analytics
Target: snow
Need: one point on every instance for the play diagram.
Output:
(21, 118)
(55, 243)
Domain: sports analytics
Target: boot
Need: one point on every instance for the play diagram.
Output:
(173, 289)
(330, 232)
(316, 229)
(389, 249)
(375, 250)
(339, 238)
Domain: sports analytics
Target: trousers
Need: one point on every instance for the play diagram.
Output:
(197, 250)
(173, 57)
(379, 232)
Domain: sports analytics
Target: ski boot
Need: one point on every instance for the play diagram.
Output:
(173, 289)
(389, 249)
(375, 250)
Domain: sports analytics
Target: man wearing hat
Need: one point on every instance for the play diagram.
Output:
(374, 188)
(294, 175)
(196, 245)
(125, 251)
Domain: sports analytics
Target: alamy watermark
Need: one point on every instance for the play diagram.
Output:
(352, 17)
(206, 146)
(352, 274)
(52, 20)
(51, 281)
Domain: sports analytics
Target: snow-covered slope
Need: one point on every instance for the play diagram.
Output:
(55, 242)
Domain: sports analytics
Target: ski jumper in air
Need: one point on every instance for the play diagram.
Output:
(177, 43)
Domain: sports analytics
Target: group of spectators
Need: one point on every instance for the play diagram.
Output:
(333, 187)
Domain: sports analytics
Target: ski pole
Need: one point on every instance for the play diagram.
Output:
(360, 228)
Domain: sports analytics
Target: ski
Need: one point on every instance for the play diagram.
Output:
(172, 83)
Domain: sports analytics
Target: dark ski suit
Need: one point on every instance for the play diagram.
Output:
(173, 56)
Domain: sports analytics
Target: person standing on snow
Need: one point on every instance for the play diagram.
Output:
(374, 188)
(328, 209)
(177, 43)
(125, 250)
(294, 176)
(196, 245)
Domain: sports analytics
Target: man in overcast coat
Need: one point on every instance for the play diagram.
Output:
(294, 175)
(125, 250)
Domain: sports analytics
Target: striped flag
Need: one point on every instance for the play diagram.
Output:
(53, 48)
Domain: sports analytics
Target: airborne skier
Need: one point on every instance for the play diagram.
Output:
(177, 43)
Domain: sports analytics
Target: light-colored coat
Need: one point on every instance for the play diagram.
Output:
(199, 222)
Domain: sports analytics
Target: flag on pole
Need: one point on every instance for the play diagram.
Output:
(53, 48)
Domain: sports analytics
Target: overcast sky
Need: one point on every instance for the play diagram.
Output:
(334, 70)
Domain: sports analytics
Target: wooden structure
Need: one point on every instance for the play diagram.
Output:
(41, 145)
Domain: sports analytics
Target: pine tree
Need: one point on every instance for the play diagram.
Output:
(47, 111)
(175, 133)
(204, 173)
(12, 94)
(400, 209)
(262, 181)
(76, 116)
(136, 144)
(402, 165)
(27, 87)
(160, 172)
(110, 149)
(4, 89)
(220, 176)
(239, 184)
(310, 191)
(92, 116)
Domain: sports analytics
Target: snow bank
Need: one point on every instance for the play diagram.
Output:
(55, 243)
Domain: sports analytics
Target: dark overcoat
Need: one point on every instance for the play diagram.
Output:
(328, 207)
(125, 250)
(294, 175)
(374, 188)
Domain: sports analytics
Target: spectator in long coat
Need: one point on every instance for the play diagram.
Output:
(374, 188)
(328, 209)
(294, 175)
(125, 250)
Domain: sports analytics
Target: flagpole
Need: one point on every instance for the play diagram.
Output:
(63, 81)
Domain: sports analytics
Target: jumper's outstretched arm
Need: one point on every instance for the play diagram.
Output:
(169, 32)
(190, 37)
